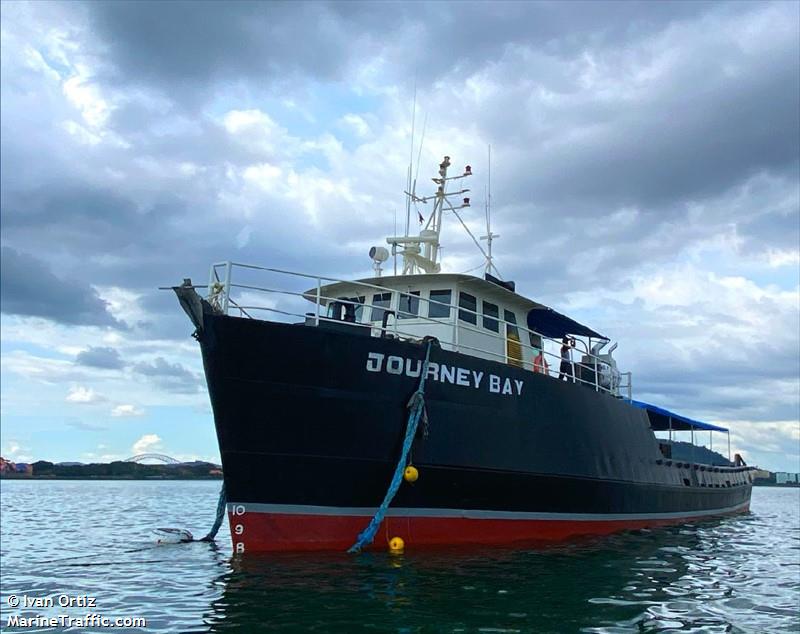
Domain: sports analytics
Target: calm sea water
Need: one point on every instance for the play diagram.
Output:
(78, 538)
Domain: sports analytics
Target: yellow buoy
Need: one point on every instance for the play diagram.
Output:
(411, 474)
(396, 545)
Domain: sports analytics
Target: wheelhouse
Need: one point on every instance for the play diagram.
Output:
(484, 318)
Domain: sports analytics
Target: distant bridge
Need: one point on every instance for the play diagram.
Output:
(160, 457)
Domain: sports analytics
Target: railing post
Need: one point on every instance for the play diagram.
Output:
(454, 312)
(397, 312)
(228, 267)
(319, 298)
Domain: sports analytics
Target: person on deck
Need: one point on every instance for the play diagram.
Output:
(566, 371)
(539, 362)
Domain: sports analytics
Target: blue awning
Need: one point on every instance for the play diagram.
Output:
(550, 323)
(662, 419)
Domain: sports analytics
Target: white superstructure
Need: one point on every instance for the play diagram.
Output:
(481, 317)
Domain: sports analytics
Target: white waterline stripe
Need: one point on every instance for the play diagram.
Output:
(477, 514)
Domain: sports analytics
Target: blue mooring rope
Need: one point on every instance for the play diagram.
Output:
(220, 516)
(417, 406)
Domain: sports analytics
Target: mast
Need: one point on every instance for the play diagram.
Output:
(421, 253)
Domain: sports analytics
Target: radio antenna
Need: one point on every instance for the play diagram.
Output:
(411, 156)
(489, 237)
(413, 189)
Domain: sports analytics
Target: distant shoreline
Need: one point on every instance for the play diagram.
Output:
(117, 470)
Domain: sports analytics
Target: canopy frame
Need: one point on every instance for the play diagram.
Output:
(665, 420)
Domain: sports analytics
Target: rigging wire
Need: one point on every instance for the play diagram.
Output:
(477, 244)
(413, 188)
(474, 268)
(411, 155)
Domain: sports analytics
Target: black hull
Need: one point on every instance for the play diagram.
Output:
(303, 425)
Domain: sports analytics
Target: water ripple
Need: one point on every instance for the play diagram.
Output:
(738, 574)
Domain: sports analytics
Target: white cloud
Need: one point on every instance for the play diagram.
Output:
(767, 443)
(122, 303)
(80, 394)
(147, 444)
(783, 257)
(15, 452)
(41, 369)
(86, 97)
(125, 410)
(247, 120)
(358, 124)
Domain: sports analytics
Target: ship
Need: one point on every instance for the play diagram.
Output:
(529, 431)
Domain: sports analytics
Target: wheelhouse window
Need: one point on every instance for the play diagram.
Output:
(380, 305)
(409, 305)
(511, 321)
(490, 314)
(470, 305)
(439, 306)
(347, 309)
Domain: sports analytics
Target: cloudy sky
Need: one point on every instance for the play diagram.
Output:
(645, 179)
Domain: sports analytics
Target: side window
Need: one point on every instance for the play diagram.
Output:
(409, 305)
(439, 306)
(349, 309)
(380, 304)
(511, 328)
(358, 308)
(490, 314)
(468, 302)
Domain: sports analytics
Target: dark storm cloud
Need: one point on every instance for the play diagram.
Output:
(185, 45)
(180, 45)
(695, 134)
(100, 357)
(682, 148)
(771, 230)
(171, 376)
(28, 287)
(90, 217)
(718, 113)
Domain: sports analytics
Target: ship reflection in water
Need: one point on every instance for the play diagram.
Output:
(707, 575)
(92, 538)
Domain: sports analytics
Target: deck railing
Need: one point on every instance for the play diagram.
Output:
(221, 287)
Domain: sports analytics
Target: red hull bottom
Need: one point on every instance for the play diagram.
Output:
(270, 532)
